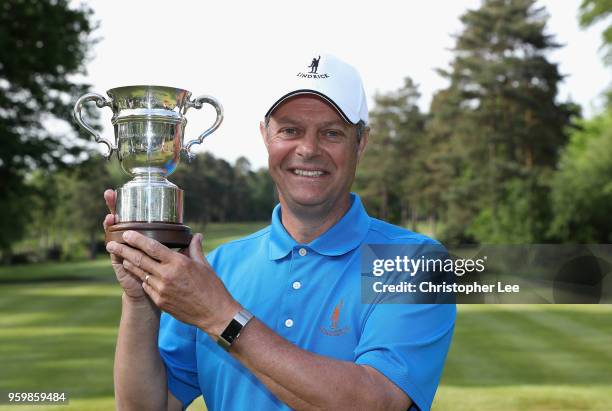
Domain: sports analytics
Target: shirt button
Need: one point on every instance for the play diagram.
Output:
(303, 252)
(297, 285)
(288, 323)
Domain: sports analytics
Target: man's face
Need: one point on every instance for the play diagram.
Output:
(312, 152)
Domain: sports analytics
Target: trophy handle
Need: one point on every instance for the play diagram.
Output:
(100, 102)
(198, 103)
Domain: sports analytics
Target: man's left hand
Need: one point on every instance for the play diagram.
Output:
(185, 286)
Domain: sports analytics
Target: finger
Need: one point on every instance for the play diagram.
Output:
(116, 262)
(149, 246)
(136, 271)
(121, 270)
(136, 257)
(108, 221)
(110, 197)
(135, 277)
(195, 248)
(152, 293)
(141, 274)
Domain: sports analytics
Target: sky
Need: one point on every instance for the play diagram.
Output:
(227, 50)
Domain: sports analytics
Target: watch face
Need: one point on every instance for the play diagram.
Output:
(232, 331)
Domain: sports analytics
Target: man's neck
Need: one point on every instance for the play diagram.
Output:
(306, 224)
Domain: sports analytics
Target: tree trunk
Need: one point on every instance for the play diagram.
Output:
(432, 224)
(404, 215)
(414, 218)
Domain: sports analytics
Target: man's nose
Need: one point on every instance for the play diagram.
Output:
(308, 145)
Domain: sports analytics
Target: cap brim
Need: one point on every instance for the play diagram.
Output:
(316, 93)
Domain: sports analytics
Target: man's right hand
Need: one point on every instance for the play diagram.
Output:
(131, 284)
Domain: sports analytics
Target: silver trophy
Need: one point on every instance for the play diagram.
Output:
(149, 124)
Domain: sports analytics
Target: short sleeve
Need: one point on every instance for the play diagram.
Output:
(177, 347)
(408, 344)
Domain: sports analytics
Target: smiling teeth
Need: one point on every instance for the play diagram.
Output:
(307, 173)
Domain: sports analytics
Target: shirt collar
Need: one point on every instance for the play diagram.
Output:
(344, 236)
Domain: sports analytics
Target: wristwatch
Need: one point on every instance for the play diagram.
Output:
(233, 329)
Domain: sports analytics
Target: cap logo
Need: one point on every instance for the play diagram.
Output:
(314, 66)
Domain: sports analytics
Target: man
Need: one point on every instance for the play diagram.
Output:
(275, 320)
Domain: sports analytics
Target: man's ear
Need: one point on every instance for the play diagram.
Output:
(263, 132)
(362, 143)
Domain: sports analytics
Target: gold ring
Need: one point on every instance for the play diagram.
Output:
(147, 278)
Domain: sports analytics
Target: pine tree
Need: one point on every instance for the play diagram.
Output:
(390, 178)
(499, 124)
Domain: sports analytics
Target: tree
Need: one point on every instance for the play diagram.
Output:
(594, 11)
(217, 191)
(253, 193)
(499, 125)
(391, 176)
(43, 43)
(449, 179)
(582, 188)
(85, 206)
(264, 195)
(67, 207)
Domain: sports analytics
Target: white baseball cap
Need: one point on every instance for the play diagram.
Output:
(328, 77)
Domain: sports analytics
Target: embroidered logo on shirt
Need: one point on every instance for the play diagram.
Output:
(335, 329)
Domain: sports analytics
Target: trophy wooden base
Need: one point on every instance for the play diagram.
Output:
(171, 235)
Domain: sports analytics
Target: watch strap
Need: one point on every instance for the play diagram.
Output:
(233, 329)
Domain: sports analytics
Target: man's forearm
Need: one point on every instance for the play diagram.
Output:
(140, 375)
(304, 380)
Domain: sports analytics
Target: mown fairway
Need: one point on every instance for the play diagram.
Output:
(58, 325)
(529, 357)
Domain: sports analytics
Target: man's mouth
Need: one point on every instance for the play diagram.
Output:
(308, 173)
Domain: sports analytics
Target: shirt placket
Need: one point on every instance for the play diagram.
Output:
(291, 307)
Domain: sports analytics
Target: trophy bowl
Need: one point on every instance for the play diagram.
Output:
(149, 125)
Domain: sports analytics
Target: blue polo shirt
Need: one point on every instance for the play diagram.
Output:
(310, 294)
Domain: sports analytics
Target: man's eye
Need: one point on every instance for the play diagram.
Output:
(289, 130)
(333, 133)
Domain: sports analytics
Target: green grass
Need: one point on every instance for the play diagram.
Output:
(58, 324)
(529, 357)
(216, 234)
